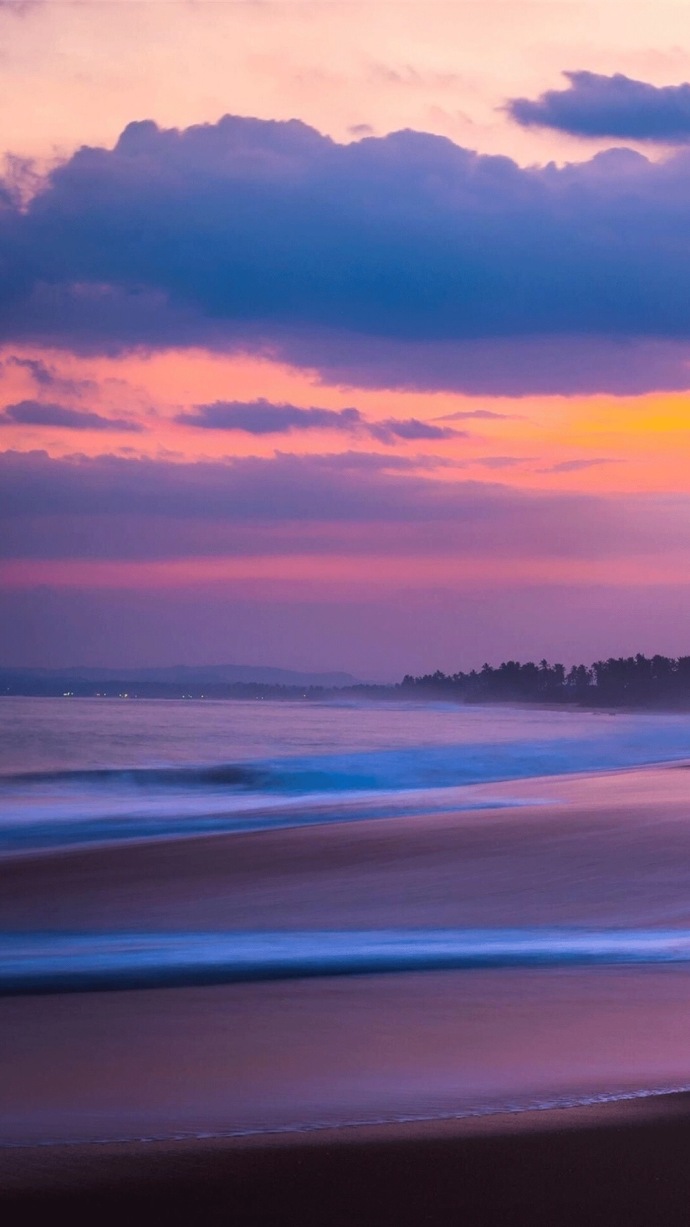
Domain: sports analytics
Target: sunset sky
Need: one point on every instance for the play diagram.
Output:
(344, 336)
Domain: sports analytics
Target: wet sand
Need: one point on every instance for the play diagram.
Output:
(257, 1057)
(618, 1166)
(454, 869)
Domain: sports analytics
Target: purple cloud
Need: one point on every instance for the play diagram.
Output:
(114, 507)
(404, 260)
(598, 106)
(286, 487)
(45, 413)
(539, 366)
(411, 428)
(261, 417)
(47, 378)
(39, 371)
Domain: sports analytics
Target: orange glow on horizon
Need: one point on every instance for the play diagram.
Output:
(598, 444)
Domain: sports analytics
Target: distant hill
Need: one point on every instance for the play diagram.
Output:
(171, 675)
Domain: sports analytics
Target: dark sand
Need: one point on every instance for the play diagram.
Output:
(618, 1166)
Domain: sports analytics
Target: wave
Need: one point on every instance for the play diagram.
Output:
(51, 963)
(471, 1111)
(403, 768)
(214, 775)
(81, 805)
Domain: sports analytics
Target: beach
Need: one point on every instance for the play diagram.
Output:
(618, 1164)
(548, 1087)
(572, 854)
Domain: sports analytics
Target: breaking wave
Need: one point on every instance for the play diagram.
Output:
(49, 962)
(86, 803)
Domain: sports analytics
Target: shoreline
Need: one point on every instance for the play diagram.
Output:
(337, 697)
(609, 1165)
(233, 1060)
(281, 814)
(368, 873)
(487, 800)
(574, 1112)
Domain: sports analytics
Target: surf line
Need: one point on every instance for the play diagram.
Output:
(78, 962)
(557, 1103)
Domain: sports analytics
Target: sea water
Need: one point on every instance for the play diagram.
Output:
(466, 910)
(84, 770)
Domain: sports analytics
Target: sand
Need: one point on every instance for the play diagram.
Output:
(452, 870)
(76, 1068)
(619, 1166)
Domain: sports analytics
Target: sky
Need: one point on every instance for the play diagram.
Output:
(343, 336)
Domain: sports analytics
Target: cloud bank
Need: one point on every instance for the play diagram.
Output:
(618, 106)
(404, 260)
(111, 507)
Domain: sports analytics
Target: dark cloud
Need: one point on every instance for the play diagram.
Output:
(404, 260)
(618, 106)
(45, 413)
(512, 367)
(261, 417)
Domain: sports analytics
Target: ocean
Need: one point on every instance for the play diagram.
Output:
(77, 771)
(254, 917)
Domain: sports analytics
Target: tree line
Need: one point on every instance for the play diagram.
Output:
(620, 681)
